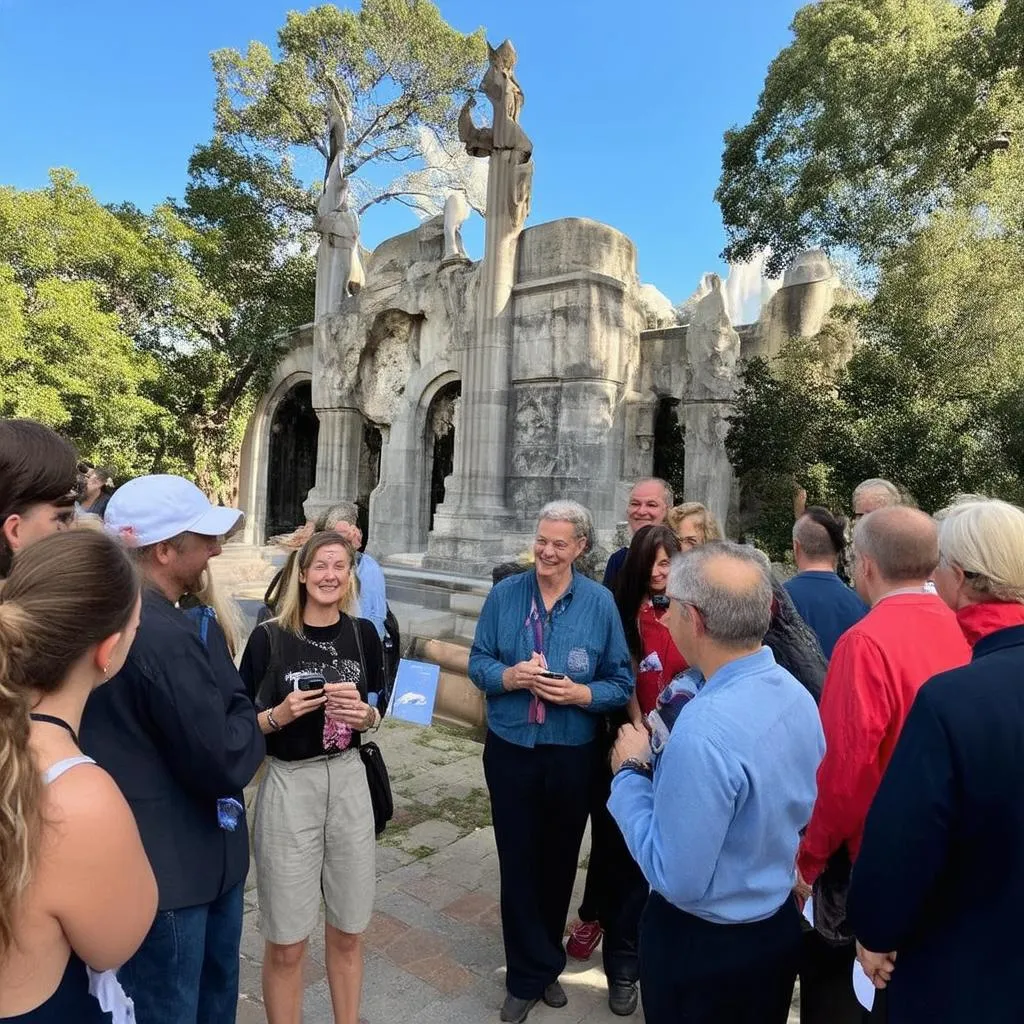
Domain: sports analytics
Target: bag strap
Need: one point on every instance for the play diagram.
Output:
(362, 658)
(274, 639)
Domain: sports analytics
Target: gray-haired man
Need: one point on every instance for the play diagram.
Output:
(715, 830)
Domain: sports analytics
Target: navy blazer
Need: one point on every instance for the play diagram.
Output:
(940, 874)
(177, 731)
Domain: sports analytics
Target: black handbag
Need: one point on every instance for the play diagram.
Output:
(377, 778)
(829, 891)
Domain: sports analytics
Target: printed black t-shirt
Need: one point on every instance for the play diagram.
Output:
(330, 650)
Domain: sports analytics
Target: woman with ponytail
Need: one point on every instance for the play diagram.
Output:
(77, 895)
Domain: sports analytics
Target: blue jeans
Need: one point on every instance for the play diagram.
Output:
(186, 971)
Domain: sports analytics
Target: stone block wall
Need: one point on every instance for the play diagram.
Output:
(576, 342)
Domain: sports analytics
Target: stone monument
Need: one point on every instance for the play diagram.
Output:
(712, 354)
(470, 525)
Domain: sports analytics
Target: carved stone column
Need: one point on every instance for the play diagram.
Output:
(469, 527)
(712, 352)
(337, 460)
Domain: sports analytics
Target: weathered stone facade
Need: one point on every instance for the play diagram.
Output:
(561, 357)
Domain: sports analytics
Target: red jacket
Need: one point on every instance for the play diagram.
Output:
(877, 667)
(655, 639)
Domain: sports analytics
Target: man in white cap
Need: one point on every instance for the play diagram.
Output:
(179, 735)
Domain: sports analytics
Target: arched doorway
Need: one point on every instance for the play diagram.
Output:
(439, 442)
(670, 445)
(291, 466)
(369, 474)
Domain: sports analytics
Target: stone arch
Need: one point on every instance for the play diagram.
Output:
(295, 368)
(400, 504)
(291, 461)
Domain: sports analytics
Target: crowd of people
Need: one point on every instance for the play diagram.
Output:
(751, 749)
(805, 778)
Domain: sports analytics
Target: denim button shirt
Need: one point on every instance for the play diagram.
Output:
(583, 639)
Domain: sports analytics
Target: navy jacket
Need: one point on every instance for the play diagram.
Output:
(940, 874)
(176, 731)
(826, 604)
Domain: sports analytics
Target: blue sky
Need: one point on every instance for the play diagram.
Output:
(626, 103)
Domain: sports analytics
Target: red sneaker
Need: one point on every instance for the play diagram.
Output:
(583, 940)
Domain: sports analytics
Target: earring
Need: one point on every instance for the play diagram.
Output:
(106, 670)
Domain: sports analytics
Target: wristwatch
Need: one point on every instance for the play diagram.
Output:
(634, 764)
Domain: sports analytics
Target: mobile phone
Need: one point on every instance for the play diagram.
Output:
(551, 675)
(306, 681)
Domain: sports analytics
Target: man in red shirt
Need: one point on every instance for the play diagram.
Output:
(877, 667)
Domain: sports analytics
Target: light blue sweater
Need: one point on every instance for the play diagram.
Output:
(717, 831)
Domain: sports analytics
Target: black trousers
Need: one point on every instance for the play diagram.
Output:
(539, 805)
(620, 890)
(695, 972)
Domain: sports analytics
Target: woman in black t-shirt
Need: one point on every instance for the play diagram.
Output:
(315, 673)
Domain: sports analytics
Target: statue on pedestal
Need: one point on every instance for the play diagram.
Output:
(339, 271)
(505, 138)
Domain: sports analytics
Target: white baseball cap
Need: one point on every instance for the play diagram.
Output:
(150, 509)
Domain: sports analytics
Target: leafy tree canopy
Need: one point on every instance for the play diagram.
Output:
(870, 120)
(396, 67)
(80, 285)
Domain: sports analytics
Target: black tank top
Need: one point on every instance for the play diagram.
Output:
(70, 1004)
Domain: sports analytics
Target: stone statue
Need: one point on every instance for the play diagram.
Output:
(505, 138)
(339, 270)
(712, 354)
(456, 212)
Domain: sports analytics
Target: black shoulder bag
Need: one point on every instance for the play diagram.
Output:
(377, 777)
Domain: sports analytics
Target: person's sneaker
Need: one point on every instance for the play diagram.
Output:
(516, 1010)
(554, 995)
(622, 998)
(583, 940)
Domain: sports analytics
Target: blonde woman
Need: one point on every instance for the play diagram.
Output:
(693, 524)
(315, 673)
(77, 894)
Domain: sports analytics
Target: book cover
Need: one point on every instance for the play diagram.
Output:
(415, 691)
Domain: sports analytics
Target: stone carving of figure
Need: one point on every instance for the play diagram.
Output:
(505, 138)
(712, 347)
(339, 271)
(456, 212)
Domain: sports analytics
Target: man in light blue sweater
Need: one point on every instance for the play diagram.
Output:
(716, 829)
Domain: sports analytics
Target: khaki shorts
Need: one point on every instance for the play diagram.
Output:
(312, 836)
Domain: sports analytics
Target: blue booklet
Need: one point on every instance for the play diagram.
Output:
(415, 691)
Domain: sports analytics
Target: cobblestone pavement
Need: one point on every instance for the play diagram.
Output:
(433, 950)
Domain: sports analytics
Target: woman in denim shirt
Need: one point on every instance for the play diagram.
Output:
(551, 657)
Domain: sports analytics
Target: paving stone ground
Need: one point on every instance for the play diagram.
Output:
(433, 950)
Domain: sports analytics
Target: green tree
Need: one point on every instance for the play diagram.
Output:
(395, 65)
(79, 286)
(870, 120)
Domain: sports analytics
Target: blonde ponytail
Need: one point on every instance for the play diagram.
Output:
(20, 783)
(63, 595)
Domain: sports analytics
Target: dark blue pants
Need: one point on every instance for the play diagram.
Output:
(539, 805)
(186, 971)
(695, 972)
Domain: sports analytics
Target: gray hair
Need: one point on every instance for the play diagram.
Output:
(735, 615)
(564, 511)
(343, 512)
(670, 497)
(883, 487)
(985, 539)
(902, 541)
